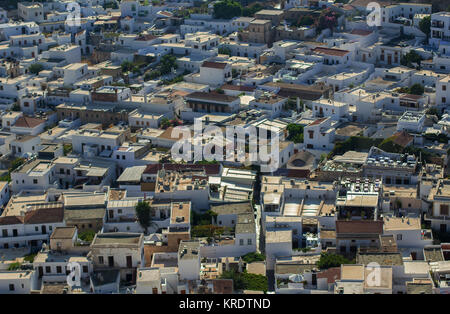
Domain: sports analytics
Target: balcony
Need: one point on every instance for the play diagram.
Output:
(427, 235)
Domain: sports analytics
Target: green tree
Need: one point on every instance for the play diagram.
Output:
(250, 10)
(253, 257)
(416, 89)
(305, 20)
(227, 9)
(410, 58)
(35, 68)
(295, 132)
(144, 214)
(168, 62)
(87, 235)
(67, 149)
(389, 146)
(15, 107)
(127, 66)
(246, 281)
(165, 123)
(328, 260)
(425, 25)
(224, 51)
(434, 112)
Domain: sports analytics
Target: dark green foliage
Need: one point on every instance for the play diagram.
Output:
(410, 58)
(435, 112)
(416, 89)
(16, 107)
(29, 258)
(357, 143)
(202, 218)
(295, 132)
(253, 257)
(168, 62)
(328, 260)
(227, 9)
(389, 146)
(87, 235)
(144, 214)
(305, 20)
(250, 10)
(224, 51)
(35, 68)
(67, 149)
(425, 25)
(246, 281)
(207, 231)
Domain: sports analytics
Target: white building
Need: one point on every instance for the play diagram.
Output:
(319, 134)
(411, 121)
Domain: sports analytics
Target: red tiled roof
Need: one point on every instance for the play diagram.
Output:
(241, 88)
(213, 96)
(214, 65)
(332, 274)
(361, 32)
(359, 226)
(10, 220)
(410, 96)
(28, 122)
(318, 121)
(223, 286)
(44, 215)
(402, 138)
(331, 51)
(146, 37)
(165, 13)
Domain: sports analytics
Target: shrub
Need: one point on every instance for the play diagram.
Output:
(253, 257)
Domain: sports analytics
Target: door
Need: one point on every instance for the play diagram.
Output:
(129, 262)
(389, 59)
(443, 228)
(111, 214)
(40, 271)
(44, 229)
(111, 261)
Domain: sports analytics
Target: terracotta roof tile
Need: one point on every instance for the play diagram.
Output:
(359, 226)
(28, 122)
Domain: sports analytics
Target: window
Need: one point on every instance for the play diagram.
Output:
(444, 210)
(249, 241)
(85, 269)
(11, 287)
(58, 269)
(399, 237)
(100, 260)
(48, 269)
(444, 87)
(35, 181)
(241, 242)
